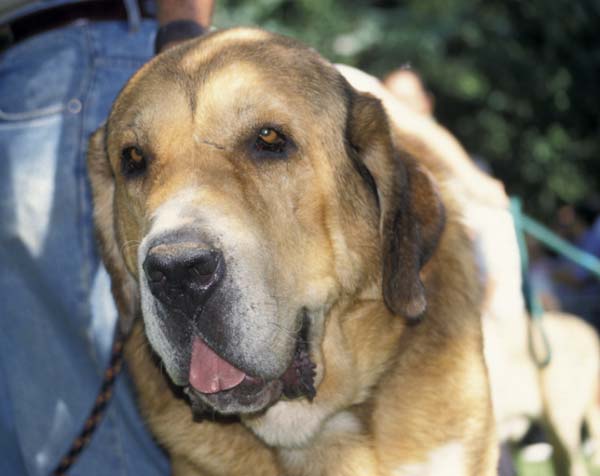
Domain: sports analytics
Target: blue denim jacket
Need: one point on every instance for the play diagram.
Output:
(56, 313)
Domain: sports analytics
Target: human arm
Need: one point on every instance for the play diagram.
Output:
(181, 20)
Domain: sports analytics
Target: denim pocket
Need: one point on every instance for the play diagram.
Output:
(40, 76)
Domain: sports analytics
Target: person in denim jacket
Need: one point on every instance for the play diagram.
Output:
(58, 78)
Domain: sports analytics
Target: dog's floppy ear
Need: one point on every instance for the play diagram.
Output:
(124, 287)
(411, 213)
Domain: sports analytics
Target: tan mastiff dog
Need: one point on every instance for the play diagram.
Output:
(309, 297)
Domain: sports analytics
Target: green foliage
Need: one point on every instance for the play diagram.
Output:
(517, 81)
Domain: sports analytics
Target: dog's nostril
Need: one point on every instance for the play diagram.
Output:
(203, 269)
(155, 275)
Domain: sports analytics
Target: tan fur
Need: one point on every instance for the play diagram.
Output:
(393, 397)
(560, 396)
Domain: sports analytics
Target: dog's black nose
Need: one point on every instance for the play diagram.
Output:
(183, 275)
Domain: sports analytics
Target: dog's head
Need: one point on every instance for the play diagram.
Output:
(241, 189)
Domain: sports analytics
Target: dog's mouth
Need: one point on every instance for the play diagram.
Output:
(216, 383)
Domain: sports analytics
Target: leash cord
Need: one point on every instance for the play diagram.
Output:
(100, 405)
(534, 306)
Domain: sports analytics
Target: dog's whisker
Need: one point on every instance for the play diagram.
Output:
(288, 333)
(287, 337)
(129, 244)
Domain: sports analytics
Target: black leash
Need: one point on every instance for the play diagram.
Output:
(97, 413)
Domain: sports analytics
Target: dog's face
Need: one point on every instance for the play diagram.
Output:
(241, 189)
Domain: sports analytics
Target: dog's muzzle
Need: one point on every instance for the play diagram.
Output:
(188, 280)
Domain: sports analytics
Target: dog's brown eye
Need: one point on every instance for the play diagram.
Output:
(270, 136)
(270, 140)
(133, 161)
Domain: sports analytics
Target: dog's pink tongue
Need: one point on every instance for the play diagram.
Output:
(209, 373)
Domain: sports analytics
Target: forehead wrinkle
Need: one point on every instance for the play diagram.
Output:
(201, 60)
(187, 83)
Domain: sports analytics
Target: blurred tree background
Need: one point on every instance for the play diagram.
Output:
(517, 81)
